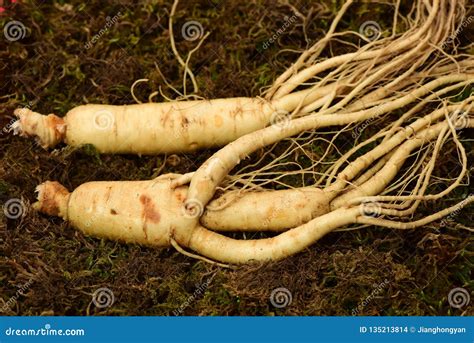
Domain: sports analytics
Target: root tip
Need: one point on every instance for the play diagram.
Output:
(49, 130)
(53, 199)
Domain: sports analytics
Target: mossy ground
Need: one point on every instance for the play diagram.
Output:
(50, 70)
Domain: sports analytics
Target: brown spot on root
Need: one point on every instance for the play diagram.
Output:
(293, 234)
(218, 120)
(59, 126)
(149, 213)
(271, 212)
(179, 196)
(237, 112)
(107, 195)
(301, 205)
(184, 122)
(173, 160)
(113, 212)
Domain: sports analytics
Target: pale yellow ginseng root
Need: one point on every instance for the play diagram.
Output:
(150, 128)
(143, 212)
(221, 248)
(157, 213)
(280, 210)
(162, 213)
(328, 85)
(211, 173)
(151, 213)
(100, 209)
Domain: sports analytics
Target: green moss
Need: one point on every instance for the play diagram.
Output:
(51, 68)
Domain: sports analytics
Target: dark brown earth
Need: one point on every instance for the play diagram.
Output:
(50, 70)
